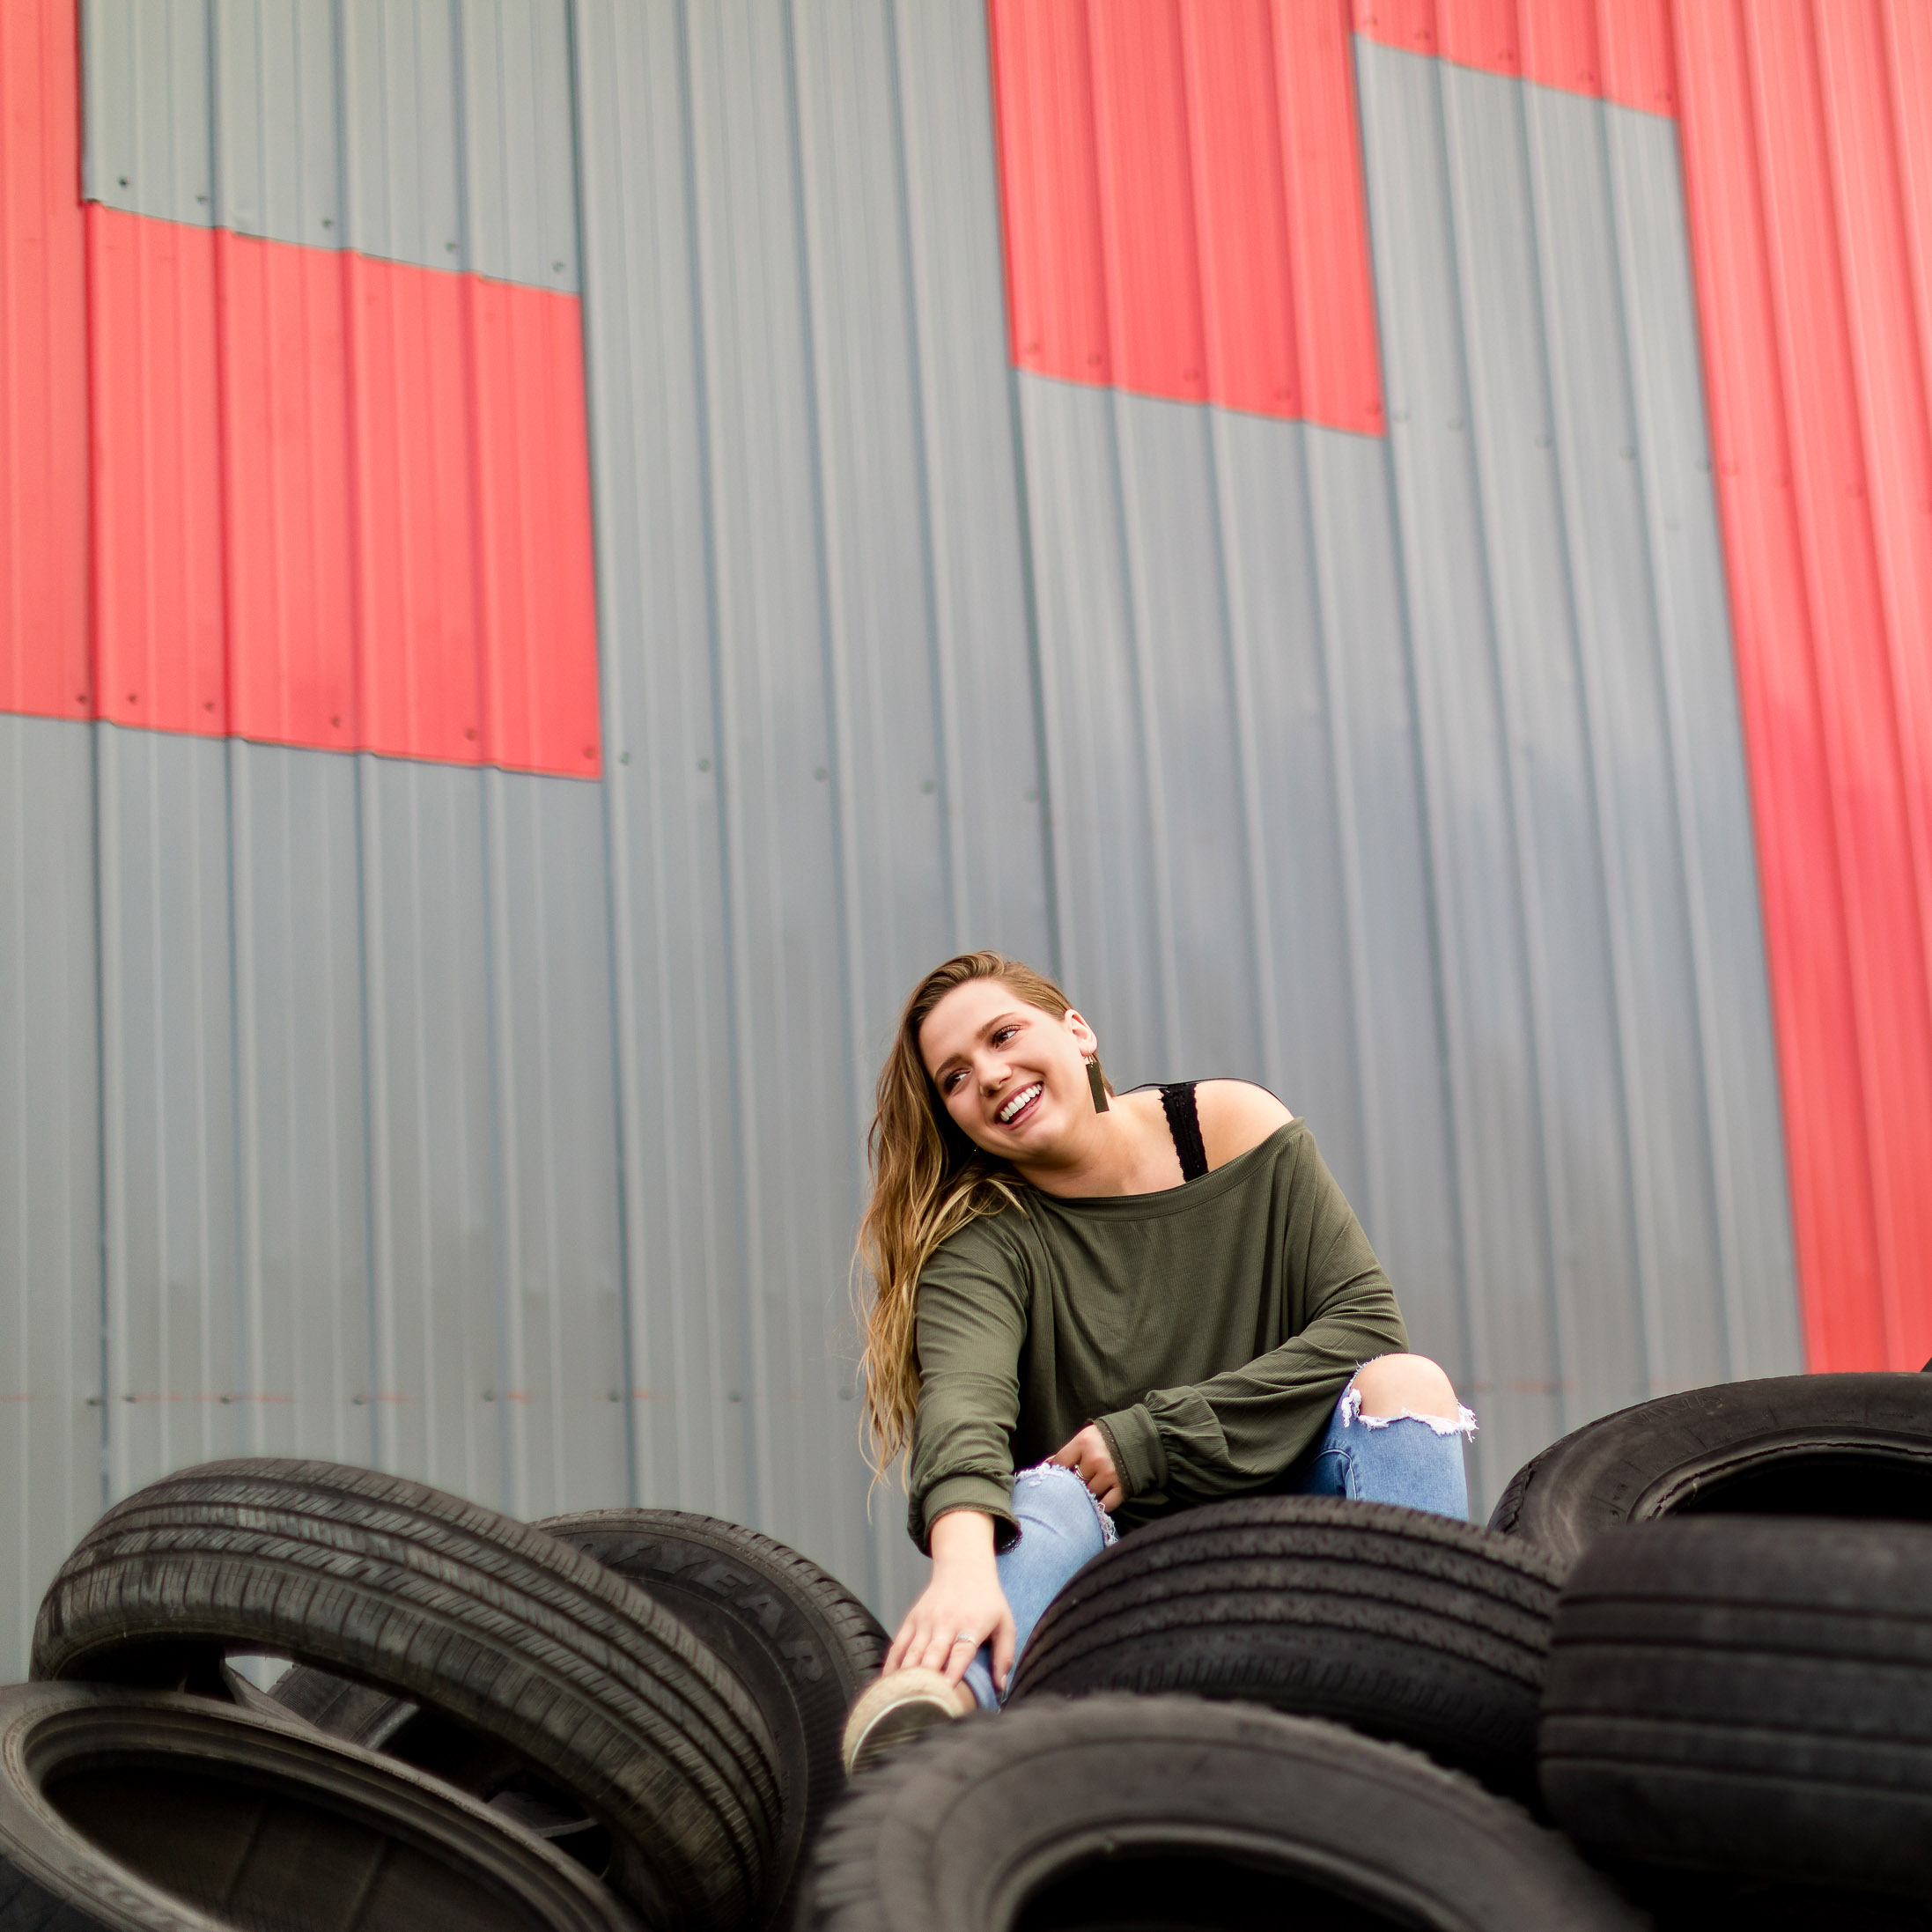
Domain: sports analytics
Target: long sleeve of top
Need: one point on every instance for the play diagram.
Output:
(1208, 1329)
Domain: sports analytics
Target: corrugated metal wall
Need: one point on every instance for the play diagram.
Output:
(1428, 745)
(1340, 698)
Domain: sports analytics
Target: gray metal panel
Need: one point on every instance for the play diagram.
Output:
(49, 1162)
(402, 194)
(437, 132)
(146, 115)
(561, 1384)
(278, 140)
(435, 1189)
(520, 186)
(1654, 982)
(1735, 1049)
(997, 872)
(789, 854)
(816, 667)
(176, 1326)
(304, 1224)
(675, 1065)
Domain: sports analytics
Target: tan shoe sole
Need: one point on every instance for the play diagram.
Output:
(889, 1710)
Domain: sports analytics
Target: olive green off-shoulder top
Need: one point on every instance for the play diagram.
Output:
(1208, 1330)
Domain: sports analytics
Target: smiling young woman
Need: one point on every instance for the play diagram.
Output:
(1093, 1306)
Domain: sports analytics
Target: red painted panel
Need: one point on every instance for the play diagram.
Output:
(1184, 209)
(1147, 199)
(1049, 189)
(1792, 176)
(339, 502)
(540, 619)
(1247, 273)
(419, 659)
(159, 625)
(1328, 216)
(288, 547)
(44, 666)
(1620, 49)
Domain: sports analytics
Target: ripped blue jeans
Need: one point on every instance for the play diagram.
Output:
(1411, 1459)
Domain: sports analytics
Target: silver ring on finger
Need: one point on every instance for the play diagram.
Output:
(965, 1636)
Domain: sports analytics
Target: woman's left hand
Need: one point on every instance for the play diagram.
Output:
(1091, 1459)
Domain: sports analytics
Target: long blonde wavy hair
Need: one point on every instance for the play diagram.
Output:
(928, 1181)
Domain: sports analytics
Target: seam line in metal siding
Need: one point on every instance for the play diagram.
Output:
(623, 1026)
(1638, 1206)
(102, 1360)
(1234, 649)
(243, 1086)
(744, 1178)
(1134, 605)
(1470, 1302)
(500, 1074)
(1522, 845)
(1042, 778)
(500, 1086)
(939, 658)
(837, 708)
(1348, 836)
(375, 1149)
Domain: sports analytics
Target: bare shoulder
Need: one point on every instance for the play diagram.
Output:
(1235, 1116)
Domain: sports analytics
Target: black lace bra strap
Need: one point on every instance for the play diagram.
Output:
(1184, 1124)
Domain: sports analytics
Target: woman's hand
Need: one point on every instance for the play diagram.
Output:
(962, 1600)
(1091, 1459)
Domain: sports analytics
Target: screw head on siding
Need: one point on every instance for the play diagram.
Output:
(818, 772)
(703, 764)
(927, 786)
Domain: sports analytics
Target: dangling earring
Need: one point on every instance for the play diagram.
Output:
(1097, 1080)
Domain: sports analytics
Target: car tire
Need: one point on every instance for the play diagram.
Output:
(1404, 1625)
(499, 1628)
(1157, 1812)
(1825, 1445)
(798, 1641)
(151, 1812)
(1749, 1698)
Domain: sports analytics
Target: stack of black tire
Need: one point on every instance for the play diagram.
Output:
(1684, 1678)
(624, 1719)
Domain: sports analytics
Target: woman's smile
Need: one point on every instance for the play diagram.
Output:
(1019, 1105)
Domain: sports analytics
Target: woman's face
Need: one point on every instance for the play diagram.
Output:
(1013, 1077)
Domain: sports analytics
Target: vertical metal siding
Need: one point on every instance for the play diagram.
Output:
(1404, 773)
(301, 1117)
(815, 661)
(1576, 991)
(173, 1314)
(1808, 153)
(1577, 1179)
(50, 1253)
(355, 1030)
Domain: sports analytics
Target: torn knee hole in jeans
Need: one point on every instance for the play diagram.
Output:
(1462, 1423)
(1042, 1471)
